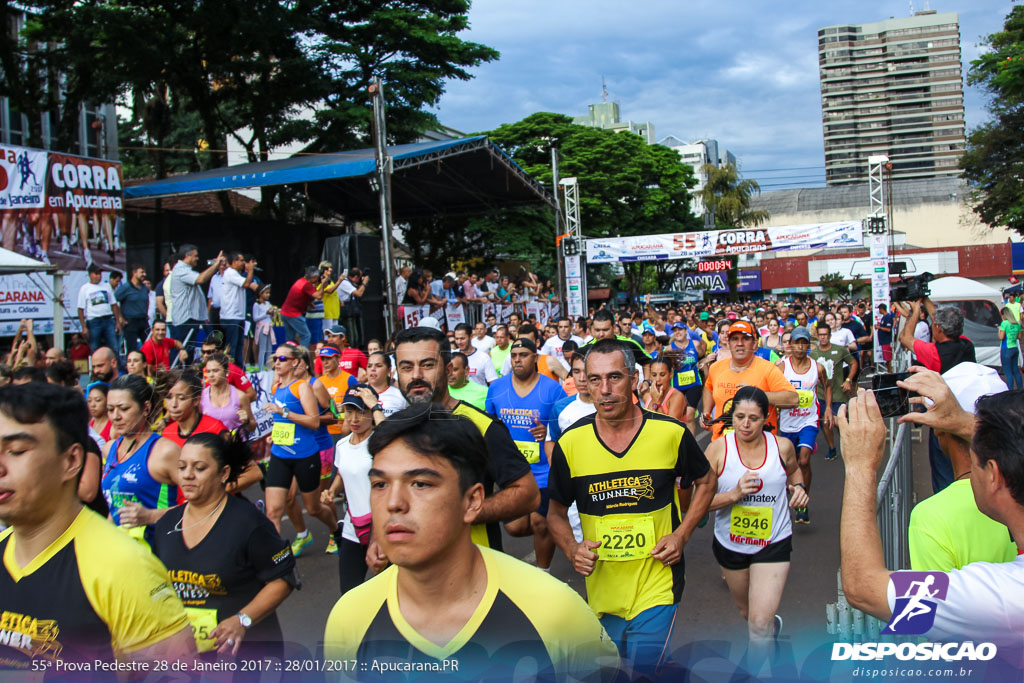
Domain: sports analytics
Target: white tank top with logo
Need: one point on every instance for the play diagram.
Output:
(762, 517)
(792, 420)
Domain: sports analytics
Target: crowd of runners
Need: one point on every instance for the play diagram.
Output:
(415, 454)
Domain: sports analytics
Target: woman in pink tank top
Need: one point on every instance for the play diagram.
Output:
(221, 400)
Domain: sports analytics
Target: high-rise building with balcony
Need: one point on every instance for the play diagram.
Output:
(892, 87)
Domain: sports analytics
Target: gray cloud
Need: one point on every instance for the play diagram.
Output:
(745, 73)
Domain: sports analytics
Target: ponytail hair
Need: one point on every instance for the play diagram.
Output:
(227, 450)
(747, 393)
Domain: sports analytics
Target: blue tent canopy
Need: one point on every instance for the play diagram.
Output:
(466, 175)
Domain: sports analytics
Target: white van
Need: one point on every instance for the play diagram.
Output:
(980, 305)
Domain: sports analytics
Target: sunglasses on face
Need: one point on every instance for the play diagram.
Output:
(283, 359)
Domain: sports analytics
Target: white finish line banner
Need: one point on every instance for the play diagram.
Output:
(842, 234)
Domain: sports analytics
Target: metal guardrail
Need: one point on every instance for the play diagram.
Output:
(474, 312)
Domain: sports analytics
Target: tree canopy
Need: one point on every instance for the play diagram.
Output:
(994, 160)
(265, 72)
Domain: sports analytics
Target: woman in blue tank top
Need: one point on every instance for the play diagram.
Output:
(139, 471)
(295, 453)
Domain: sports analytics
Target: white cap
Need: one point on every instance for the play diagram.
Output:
(971, 381)
(430, 322)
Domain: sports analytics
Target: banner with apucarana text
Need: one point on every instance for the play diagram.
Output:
(63, 210)
(837, 235)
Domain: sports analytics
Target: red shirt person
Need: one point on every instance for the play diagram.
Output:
(157, 349)
(293, 310)
(353, 361)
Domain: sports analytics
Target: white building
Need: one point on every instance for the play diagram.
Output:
(696, 155)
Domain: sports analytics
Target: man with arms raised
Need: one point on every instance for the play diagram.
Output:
(445, 597)
(620, 467)
(73, 587)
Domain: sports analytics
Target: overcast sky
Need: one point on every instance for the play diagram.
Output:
(744, 72)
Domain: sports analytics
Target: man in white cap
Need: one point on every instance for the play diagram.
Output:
(948, 531)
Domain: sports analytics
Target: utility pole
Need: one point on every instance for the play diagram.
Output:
(383, 179)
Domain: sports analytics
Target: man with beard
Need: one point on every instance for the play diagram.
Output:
(104, 365)
(524, 400)
(423, 358)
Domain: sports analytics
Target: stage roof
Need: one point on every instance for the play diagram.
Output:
(462, 176)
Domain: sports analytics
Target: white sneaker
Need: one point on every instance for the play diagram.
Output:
(64, 246)
(87, 255)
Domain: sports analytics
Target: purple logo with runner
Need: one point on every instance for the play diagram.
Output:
(917, 599)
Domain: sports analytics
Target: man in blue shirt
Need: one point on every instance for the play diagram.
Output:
(524, 401)
(884, 328)
(133, 298)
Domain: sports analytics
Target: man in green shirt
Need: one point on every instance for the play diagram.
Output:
(833, 358)
(501, 349)
(459, 386)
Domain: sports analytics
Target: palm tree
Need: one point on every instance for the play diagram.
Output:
(728, 197)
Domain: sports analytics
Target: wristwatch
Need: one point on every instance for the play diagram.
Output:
(285, 412)
(376, 408)
(244, 619)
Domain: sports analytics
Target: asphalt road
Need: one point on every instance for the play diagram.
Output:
(709, 632)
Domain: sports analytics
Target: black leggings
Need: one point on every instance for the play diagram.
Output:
(351, 564)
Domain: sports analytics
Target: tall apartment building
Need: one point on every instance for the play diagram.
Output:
(892, 87)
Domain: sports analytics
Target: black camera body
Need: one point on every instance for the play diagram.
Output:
(911, 288)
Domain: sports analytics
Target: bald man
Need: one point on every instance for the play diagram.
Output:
(104, 365)
(54, 355)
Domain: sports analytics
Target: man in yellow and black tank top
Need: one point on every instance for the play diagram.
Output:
(466, 611)
(620, 467)
(422, 355)
(73, 587)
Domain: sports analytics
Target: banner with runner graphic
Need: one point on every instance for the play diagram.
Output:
(837, 235)
(63, 210)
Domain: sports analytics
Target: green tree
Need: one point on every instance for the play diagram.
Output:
(833, 285)
(412, 45)
(994, 159)
(195, 74)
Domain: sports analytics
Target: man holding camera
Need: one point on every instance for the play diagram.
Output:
(947, 349)
(982, 600)
(350, 291)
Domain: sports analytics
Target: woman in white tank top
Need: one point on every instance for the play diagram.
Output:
(758, 481)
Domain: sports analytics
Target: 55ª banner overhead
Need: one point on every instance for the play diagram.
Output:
(841, 234)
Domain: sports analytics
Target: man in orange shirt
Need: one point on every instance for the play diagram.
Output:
(726, 376)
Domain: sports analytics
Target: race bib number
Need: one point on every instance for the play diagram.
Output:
(283, 433)
(530, 451)
(806, 398)
(684, 378)
(751, 522)
(203, 621)
(625, 538)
